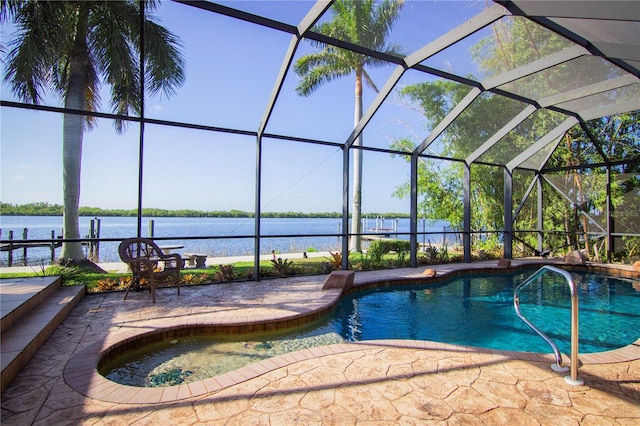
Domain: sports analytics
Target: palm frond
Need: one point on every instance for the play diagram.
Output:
(318, 76)
(311, 67)
(164, 67)
(383, 20)
(111, 40)
(40, 52)
(306, 63)
(369, 80)
(8, 9)
(363, 22)
(149, 5)
(35, 47)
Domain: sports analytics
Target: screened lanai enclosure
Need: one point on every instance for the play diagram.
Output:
(456, 126)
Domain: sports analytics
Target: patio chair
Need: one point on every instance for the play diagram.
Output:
(146, 260)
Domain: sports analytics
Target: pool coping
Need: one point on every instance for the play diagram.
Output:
(81, 371)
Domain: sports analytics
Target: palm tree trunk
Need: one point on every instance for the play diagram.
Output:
(356, 216)
(72, 133)
(567, 230)
(585, 222)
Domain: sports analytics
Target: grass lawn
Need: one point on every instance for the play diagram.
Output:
(240, 271)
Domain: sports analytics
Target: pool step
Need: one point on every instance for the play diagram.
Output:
(32, 308)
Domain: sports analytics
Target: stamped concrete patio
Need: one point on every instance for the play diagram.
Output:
(379, 382)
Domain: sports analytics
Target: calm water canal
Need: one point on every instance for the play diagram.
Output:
(40, 227)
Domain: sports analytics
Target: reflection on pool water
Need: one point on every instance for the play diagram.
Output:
(469, 310)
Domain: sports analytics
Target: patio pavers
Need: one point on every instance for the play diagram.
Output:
(391, 382)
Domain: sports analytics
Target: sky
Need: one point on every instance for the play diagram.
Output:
(231, 69)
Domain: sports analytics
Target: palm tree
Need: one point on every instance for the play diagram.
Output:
(363, 23)
(70, 48)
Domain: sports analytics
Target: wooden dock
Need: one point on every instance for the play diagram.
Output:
(376, 237)
(18, 246)
(10, 245)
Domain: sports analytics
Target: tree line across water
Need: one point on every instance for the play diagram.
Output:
(47, 209)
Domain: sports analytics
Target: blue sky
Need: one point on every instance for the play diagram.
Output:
(231, 67)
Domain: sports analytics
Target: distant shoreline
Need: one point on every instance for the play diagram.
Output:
(46, 209)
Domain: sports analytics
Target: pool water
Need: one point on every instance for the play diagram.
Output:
(469, 310)
(478, 311)
(194, 358)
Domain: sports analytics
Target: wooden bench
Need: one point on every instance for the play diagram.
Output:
(198, 260)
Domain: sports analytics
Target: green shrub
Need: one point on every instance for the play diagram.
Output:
(283, 267)
(379, 248)
(336, 259)
(431, 253)
(326, 268)
(226, 273)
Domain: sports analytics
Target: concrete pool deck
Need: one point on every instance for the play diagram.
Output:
(382, 382)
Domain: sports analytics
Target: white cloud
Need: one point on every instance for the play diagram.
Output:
(157, 108)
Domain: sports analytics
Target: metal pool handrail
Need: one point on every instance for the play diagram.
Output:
(573, 378)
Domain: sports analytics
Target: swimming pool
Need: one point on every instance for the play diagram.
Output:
(469, 310)
(478, 311)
